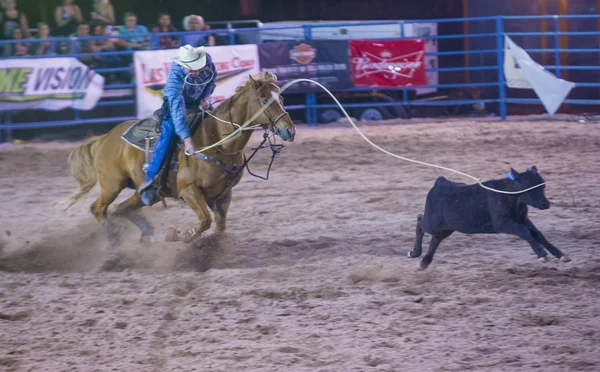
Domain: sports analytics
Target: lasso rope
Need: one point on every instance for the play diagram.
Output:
(185, 79)
(242, 127)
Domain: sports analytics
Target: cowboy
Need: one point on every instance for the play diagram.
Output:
(190, 83)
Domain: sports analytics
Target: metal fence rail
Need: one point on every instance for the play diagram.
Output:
(483, 58)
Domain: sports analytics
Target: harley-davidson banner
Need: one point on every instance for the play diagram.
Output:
(395, 63)
(325, 61)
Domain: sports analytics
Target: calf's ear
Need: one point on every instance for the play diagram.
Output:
(513, 174)
(534, 168)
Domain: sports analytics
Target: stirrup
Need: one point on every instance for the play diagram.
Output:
(145, 185)
(149, 195)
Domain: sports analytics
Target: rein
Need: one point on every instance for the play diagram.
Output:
(233, 170)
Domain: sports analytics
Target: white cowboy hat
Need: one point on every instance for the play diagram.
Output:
(191, 58)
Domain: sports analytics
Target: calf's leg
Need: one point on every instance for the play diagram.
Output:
(523, 232)
(539, 237)
(436, 239)
(418, 249)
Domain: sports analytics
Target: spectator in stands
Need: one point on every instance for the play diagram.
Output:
(68, 17)
(10, 18)
(17, 49)
(132, 34)
(195, 23)
(105, 45)
(164, 25)
(103, 12)
(83, 46)
(132, 38)
(47, 47)
(102, 45)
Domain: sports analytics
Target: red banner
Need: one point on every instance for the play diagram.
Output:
(395, 63)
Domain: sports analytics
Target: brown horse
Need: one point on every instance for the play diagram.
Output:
(108, 159)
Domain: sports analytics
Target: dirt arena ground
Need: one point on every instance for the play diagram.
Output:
(313, 274)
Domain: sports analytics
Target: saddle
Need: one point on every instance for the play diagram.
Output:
(143, 135)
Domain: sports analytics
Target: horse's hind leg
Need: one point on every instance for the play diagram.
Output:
(130, 209)
(108, 194)
(418, 249)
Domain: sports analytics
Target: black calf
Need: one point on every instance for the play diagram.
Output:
(471, 209)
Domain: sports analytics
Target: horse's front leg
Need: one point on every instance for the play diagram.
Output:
(220, 208)
(194, 198)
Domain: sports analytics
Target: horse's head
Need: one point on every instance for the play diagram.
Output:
(274, 117)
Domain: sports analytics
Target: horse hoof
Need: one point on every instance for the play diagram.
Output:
(174, 235)
(543, 259)
(565, 258)
(188, 236)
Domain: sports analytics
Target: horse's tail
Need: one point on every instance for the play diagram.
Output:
(83, 169)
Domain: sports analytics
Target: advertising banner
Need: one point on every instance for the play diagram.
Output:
(388, 64)
(233, 64)
(48, 84)
(325, 61)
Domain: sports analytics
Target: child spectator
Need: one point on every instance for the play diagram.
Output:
(83, 46)
(17, 49)
(47, 47)
(104, 45)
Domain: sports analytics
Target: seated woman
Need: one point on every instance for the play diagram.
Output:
(195, 23)
(164, 25)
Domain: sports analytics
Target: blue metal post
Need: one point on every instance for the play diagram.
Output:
(231, 36)
(556, 46)
(500, 62)
(311, 98)
(1, 130)
(8, 130)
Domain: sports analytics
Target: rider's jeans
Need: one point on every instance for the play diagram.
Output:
(162, 146)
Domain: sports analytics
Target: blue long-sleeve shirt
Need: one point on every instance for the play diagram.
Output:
(178, 95)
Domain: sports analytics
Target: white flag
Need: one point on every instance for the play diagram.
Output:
(523, 72)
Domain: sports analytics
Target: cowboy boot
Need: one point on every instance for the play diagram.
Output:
(148, 192)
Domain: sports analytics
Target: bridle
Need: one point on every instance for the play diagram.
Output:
(272, 122)
(268, 126)
(233, 170)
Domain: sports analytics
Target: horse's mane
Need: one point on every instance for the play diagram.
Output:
(263, 78)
